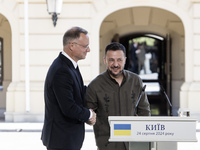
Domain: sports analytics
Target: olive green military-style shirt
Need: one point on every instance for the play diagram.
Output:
(107, 98)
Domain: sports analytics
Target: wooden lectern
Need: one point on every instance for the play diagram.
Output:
(152, 133)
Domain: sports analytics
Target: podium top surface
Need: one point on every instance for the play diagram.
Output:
(151, 118)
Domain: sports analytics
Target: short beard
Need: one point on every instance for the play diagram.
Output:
(114, 75)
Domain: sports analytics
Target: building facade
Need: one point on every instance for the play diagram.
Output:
(23, 74)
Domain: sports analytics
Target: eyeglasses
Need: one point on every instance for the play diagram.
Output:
(84, 46)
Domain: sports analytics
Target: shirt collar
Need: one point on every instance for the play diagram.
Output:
(124, 76)
(73, 62)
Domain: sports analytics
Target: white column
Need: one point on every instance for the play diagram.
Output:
(26, 38)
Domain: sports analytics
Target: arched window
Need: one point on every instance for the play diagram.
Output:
(1, 63)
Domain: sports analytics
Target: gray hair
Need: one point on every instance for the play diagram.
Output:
(72, 34)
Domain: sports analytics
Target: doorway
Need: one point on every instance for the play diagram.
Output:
(149, 56)
(5, 62)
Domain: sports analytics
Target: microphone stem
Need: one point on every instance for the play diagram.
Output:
(167, 99)
(143, 89)
(138, 100)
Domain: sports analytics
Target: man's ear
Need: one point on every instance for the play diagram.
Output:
(104, 60)
(125, 59)
(70, 46)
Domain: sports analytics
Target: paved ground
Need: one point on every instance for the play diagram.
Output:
(26, 136)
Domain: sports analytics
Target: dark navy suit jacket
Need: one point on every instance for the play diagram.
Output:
(64, 112)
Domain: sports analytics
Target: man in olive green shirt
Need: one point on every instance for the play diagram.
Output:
(115, 92)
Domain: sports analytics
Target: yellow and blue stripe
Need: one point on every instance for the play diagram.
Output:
(122, 129)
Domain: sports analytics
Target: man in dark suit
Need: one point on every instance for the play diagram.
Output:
(64, 96)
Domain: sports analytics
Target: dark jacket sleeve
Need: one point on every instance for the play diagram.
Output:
(69, 95)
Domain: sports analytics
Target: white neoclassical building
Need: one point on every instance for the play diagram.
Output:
(29, 42)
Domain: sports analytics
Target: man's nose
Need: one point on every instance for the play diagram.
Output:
(115, 63)
(88, 49)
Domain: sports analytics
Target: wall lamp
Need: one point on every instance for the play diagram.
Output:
(54, 8)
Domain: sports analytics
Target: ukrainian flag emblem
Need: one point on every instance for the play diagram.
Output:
(122, 129)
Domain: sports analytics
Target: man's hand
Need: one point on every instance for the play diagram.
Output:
(92, 121)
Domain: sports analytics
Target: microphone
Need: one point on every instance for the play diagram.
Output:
(143, 89)
(162, 89)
